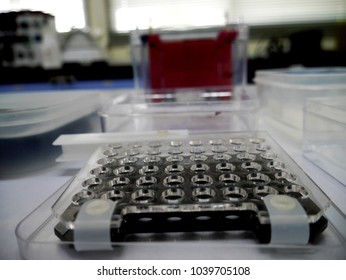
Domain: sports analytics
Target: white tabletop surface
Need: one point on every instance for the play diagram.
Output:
(20, 196)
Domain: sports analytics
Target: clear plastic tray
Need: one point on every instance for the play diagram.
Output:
(324, 141)
(37, 240)
(194, 110)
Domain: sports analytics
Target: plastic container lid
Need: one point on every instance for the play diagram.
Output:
(312, 77)
(26, 114)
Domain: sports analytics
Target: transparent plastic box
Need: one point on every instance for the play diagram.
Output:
(37, 238)
(283, 92)
(195, 111)
(324, 141)
(207, 59)
(30, 122)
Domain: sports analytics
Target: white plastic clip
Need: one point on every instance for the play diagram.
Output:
(289, 223)
(92, 225)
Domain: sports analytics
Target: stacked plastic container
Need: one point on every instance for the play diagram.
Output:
(324, 141)
(283, 93)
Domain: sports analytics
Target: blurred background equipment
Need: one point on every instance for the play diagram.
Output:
(29, 39)
(80, 47)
